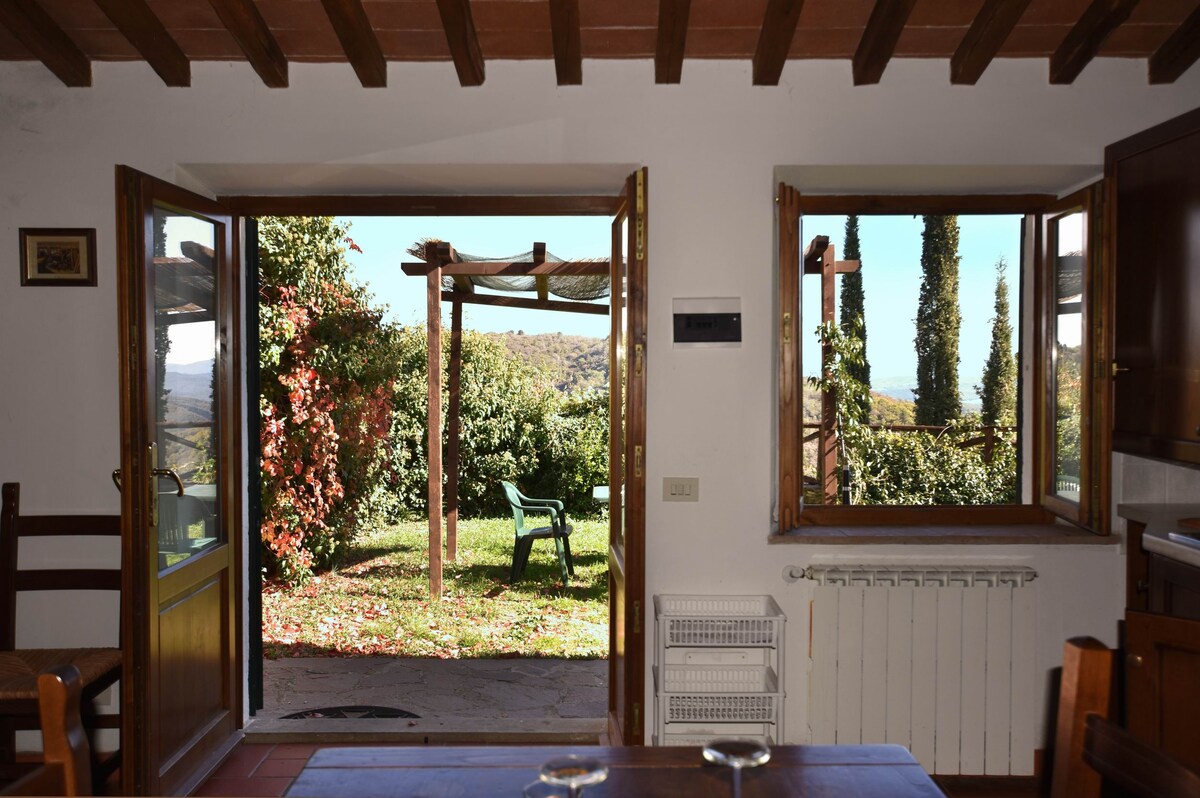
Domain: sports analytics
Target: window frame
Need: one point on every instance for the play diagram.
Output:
(792, 514)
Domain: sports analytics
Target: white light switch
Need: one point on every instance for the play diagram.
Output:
(681, 489)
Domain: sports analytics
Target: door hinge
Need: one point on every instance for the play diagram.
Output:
(641, 215)
(639, 352)
(637, 718)
(637, 461)
(787, 328)
(637, 617)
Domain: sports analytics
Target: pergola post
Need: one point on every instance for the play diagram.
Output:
(434, 425)
(828, 455)
(454, 429)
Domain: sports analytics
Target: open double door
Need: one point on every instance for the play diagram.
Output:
(182, 479)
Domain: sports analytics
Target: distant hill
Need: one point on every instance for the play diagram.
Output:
(574, 362)
(884, 409)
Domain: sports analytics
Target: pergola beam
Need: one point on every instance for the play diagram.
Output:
(41, 35)
(542, 281)
(568, 54)
(527, 303)
(248, 28)
(459, 26)
(354, 31)
(672, 40)
(511, 268)
(1178, 52)
(775, 40)
(878, 42)
(138, 23)
(1083, 42)
(987, 34)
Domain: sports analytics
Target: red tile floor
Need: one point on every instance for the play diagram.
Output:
(258, 770)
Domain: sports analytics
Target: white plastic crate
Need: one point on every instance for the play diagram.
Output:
(704, 739)
(717, 694)
(736, 621)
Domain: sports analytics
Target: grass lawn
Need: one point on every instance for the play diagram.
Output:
(377, 602)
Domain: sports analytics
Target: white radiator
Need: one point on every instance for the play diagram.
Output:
(937, 659)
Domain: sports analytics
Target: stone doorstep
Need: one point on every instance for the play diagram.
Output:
(565, 731)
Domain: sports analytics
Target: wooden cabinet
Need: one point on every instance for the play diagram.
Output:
(1162, 683)
(1155, 191)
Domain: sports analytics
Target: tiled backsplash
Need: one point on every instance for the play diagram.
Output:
(1152, 481)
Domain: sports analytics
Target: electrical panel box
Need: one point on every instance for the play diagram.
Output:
(707, 322)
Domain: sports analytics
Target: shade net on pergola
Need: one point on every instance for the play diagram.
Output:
(581, 288)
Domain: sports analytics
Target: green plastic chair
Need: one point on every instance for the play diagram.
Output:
(559, 529)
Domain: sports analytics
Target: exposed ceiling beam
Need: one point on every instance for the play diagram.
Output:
(987, 34)
(358, 40)
(146, 33)
(564, 30)
(464, 42)
(672, 38)
(525, 302)
(775, 40)
(1178, 52)
(878, 41)
(247, 26)
(34, 28)
(1083, 42)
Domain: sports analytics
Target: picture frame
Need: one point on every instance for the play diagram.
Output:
(58, 256)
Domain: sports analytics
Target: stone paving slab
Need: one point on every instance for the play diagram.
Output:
(523, 691)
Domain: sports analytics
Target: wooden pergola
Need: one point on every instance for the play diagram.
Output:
(819, 258)
(441, 260)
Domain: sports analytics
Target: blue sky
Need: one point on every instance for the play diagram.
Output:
(891, 268)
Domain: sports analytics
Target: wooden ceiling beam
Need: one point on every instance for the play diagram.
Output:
(987, 34)
(248, 28)
(525, 302)
(1083, 42)
(33, 27)
(775, 40)
(564, 30)
(464, 41)
(354, 31)
(1178, 52)
(139, 25)
(878, 41)
(572, 268)
(672, 40)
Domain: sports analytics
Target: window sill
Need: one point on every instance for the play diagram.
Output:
(1000, 534)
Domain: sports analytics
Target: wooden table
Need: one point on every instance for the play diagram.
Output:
(886, 771)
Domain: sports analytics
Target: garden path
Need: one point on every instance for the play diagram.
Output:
(531, 700)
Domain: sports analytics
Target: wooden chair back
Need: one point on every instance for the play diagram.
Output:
(66, 761)
(1087, 679)
(1135, 766)
(14, 527)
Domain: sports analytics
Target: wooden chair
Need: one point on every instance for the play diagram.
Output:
(65, 768)
(1136, 767)
(1087, 679)
(525, 534)
(99, 668)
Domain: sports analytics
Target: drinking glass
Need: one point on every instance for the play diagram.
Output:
(573, 772)
(737, 754)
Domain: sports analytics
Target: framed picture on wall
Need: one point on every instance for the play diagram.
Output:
(58, 256)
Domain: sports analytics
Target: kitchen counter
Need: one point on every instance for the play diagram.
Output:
(1160, 521)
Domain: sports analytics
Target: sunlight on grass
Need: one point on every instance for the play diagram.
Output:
(377, 603)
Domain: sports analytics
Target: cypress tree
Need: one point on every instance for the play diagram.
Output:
(852, 315)
(938, 323)
(999, 390)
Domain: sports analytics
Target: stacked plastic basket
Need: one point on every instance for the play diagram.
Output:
(718, 668)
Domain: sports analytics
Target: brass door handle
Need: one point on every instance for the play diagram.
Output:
(1134, 660)
(116, 478)
(1118, 369)
(170, 474)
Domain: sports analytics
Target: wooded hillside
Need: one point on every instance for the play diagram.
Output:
(573, 362)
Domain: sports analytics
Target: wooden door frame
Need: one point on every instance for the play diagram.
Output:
(245, 206)
(134, 300)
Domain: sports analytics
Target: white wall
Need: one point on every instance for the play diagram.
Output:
(711, 144)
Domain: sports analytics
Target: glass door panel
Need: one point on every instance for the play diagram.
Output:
(185, 384)
(1067, 356)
